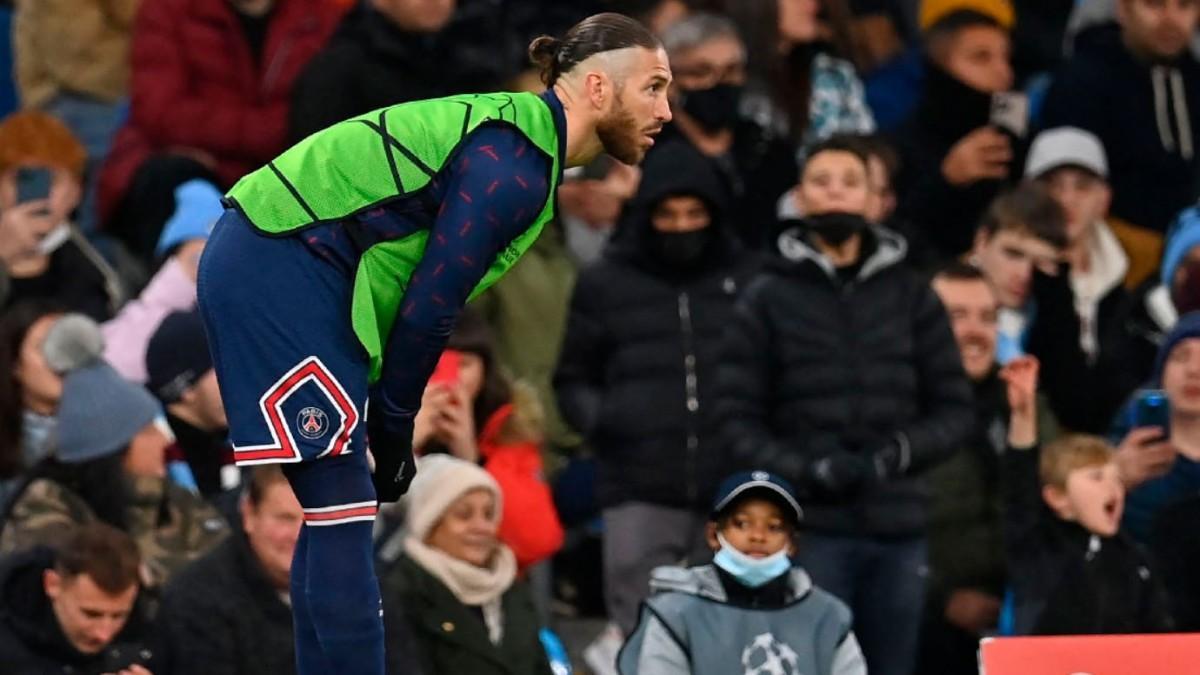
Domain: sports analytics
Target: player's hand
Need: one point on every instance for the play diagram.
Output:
(392, 449)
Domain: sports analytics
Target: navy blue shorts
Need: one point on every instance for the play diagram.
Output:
(292, 374)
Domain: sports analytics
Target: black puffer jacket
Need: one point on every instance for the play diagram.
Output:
(637, 373)
(31, 641)
(222, 616)
(815, 366)
(371, 63)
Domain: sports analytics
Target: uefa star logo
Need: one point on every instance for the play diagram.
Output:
(312, 423)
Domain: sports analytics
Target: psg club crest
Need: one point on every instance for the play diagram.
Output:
(312, 423)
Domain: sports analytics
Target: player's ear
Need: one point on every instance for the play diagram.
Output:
(598, 86)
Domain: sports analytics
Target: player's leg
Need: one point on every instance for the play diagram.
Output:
(308, 647)
(294, 381)
(338, 588)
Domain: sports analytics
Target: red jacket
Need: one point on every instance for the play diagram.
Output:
(196, 84)
(529, 524)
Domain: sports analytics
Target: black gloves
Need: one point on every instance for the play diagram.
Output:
(842, 473)
(392, 450)
(837, 474)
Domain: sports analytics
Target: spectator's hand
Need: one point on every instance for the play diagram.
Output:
(201, 157)
(433, 401)
(1144, 454)
(837, 474)
(188, 256)
(455, 426)
(133, 670)
(982, 154)
(21, 229)
(1021, 376)
(887, 462)
(973, 611)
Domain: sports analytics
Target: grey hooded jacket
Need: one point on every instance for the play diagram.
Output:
(688, 627)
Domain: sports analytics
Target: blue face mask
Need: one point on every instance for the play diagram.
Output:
(37, 436)
(751, 572)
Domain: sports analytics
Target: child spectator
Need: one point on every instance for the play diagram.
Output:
(1073, 571)
(955, 160)
(840, 373)
(763, 610)
(1022, 231)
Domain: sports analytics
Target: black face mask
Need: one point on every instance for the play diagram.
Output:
(835, 228)
(681, 250)
(715, 108)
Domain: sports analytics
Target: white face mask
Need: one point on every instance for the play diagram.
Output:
(751, 571)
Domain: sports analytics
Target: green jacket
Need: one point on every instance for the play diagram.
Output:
(428, 631)
(527, 311)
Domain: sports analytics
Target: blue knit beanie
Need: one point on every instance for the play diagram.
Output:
(1182, 236)
(197, 208)
(99, 413)
(1188, 326)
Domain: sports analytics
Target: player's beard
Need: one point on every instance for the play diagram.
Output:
(620, 136)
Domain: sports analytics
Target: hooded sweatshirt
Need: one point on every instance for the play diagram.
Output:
(1146, 114)
(644, 334)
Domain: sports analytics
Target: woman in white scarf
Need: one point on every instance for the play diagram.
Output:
(453, 597)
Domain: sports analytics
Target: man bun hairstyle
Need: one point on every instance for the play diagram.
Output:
(596, 34)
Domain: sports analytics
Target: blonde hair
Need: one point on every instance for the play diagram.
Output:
(1071, 453)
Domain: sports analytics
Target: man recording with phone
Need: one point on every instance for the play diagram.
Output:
(1159, 452)
(958, 146)
(41, 254)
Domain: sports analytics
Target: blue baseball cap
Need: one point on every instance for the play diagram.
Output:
(749, 482)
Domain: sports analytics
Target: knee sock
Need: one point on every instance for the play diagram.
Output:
(310, 660)
(335, 599)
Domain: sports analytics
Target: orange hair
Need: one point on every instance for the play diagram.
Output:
(35, 137)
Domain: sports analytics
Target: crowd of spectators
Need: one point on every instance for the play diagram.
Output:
(929, 270)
